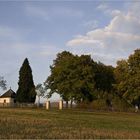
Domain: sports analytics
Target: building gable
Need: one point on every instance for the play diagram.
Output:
(9, 94)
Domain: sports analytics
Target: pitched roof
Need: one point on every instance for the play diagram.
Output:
(9, 93)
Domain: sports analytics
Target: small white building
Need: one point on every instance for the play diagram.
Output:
(8, 98)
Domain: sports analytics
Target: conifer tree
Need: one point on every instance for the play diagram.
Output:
(26, 90)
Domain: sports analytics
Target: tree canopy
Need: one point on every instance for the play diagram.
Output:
(127, 75)
(77, 78)
(104, 77)
(72, 77)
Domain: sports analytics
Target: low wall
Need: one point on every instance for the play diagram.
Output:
(30, 105)
(17, 105)
(7, 105)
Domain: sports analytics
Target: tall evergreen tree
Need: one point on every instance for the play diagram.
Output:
(26, 90)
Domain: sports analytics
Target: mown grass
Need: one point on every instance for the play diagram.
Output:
(67, 124)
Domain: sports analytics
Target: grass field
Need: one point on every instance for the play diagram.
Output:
(42, 124)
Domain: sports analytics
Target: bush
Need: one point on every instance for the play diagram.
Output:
(99, 104)
(117, 104)
(121, 105)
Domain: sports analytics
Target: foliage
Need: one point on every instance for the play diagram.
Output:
(79, 78)
(40, 92)
(99, 104)
(121, 77)
(72, 77)
(120, 104)
(26, 90)
(127, 75)
(133, 93)
(104, 77)
(2, 83)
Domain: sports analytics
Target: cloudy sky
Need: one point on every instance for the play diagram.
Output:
(106, 30)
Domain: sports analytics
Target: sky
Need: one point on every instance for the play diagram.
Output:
(106, 30)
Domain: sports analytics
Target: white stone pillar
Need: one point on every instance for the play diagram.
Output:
(60, 105)
(48, 105)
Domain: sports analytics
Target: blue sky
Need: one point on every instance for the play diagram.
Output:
(38, 30)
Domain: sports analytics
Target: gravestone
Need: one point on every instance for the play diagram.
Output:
(60, 105)
(48, 105)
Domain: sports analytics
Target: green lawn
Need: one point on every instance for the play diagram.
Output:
(39, 123)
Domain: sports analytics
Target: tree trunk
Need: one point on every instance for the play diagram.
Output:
(71, 103)
(67, 104)
(38, 104)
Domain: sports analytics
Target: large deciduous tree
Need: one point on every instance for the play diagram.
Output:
(127, 75)
(133, 93)
(26, 90)
(72, 77)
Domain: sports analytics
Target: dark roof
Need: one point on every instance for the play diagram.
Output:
(9, 93)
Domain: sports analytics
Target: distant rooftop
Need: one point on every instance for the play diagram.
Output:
(9, 93)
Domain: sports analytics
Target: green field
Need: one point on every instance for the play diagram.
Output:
(42, 124)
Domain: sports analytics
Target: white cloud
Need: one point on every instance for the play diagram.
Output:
(115, 12)
(106, 9)
(117, 40)
(134, 9)
(49, 50)
(83, 40)
(103, 6)
(92, 24)
(125, 24)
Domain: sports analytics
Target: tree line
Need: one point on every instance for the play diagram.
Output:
(80, 79)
